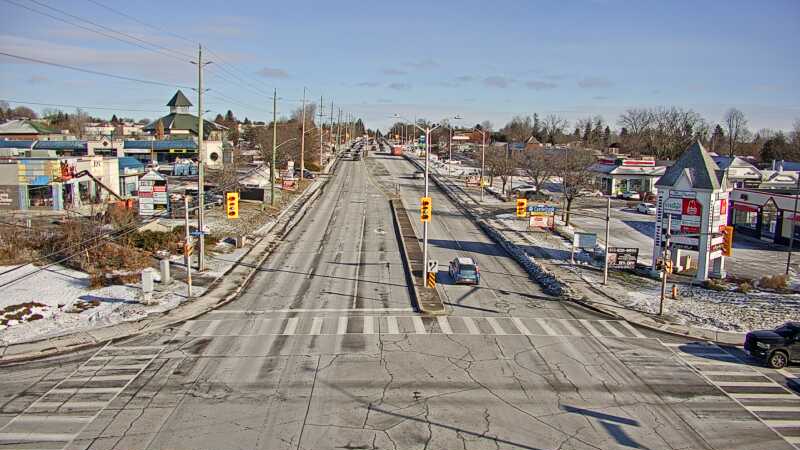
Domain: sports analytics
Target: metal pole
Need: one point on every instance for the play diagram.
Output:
(339, 128)
(201, 258)
(791, 239)
(330, 130)
(187, 246)
(425, 224)
(664, 266)
(483, 157)
(320, 131)
(608, 233)
(450, 157)
(274, 146)
(303, 139)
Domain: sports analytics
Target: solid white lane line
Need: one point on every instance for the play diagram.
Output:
(765, 396)
(592, 330)
(722, 354)
(495, 326)
(633, 330)
(570, 327)
(53, 419)
(291, 326)
(211, 328)
(607, 324)
(85, 405)
(471, 327)
(774, 408)
(86, 390)
(130, 348)
(127, 366)
(369, 327)
(782, 423)
(444, 325)
(117, 357)
(342, 329)
(37, 437)
(712, 373)
(419, 327)
(316, 326)
(318, 310)
(546, 327)
(521, 326)
(391, 323)
(101, 378)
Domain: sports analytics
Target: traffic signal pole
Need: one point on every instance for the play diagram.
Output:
(425, 224)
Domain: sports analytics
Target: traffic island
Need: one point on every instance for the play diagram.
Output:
(427, 299)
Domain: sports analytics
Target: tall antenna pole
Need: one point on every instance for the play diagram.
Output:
(303, 138)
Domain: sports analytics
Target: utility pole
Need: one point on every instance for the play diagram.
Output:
(483, 158)
(303, 139)
(664, 264)
(425, 224)
(339, 127)
(320, 131)
(450, 150)
(608, 232)
(187, 259)
(274, 146)
(201, 162)
(330, 130)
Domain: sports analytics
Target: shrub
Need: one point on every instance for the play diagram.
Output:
(744, 287)
(714, 285)
(775, 282)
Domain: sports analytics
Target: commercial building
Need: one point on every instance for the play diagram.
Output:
(614, 176)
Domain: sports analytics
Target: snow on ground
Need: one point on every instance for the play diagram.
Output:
(726, 311)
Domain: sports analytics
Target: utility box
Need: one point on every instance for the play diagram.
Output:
(165, 275)
(148, 278)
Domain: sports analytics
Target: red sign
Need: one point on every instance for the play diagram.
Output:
(688, 229)
(691, 207)
(723, 207)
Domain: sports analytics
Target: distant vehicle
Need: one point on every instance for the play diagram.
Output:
(778, 347)
(307, 174)
(646, 208)
(630, 195)
(397, 150)
(534, 195)
(464, 270)
(589, 193)
(418, 175)
(522, 188)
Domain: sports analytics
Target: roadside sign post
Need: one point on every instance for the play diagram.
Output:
(666, 265)
(432, 270)
(187, 248)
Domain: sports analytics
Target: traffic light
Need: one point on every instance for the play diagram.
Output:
(727, 240)
(522, 206)
(425, 209)
(232, 205)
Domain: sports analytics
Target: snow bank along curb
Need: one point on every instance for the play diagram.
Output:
(224, 290)
(404, 253)
(552, 284)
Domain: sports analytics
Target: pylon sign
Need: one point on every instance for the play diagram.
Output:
(425, 209)
(232, 205)
(522, 207)
(727, 240)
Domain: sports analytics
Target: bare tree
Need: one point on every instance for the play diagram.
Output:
(737, 128)
(637, 122)
(519, 129)
(573, 167)
(500, 164)
(553, 126)
(487, 126)
(78, 122)
(538, 165)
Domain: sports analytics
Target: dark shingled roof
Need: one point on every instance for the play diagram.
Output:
(700, 167)
(166, 144)
(179, 100)
(183, 121)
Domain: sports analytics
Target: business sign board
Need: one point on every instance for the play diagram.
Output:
(152, 194)
(622, 257)
(541, 221)
(682, 194)
(541, 210)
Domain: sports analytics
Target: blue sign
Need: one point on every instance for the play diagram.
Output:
(541, 209)
(196, 233)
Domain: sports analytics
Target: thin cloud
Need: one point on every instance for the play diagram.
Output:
(399, 86)
(427, 63)
(600, 97)
(393, 71)
(538, 85)
(595, 83)
(498, 82)
(465, 78)
(273, 72)
(38, 79)
(368, 84)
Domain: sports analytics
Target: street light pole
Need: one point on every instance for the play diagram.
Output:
(450, 150)
(425, 224)
(791, 238)
(274, 146)
(201, 162)
(608, 232)
(483, 158)
(303, 139)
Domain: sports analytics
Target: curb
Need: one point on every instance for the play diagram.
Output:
(297, 214)
(406, 263)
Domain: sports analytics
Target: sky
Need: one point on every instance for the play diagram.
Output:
(478, 60)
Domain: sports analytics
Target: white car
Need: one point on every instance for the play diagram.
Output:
(630, 195)
(590, 193)
(646, 208)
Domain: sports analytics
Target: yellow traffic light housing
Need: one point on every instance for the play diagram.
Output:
(232, 205)
(727, 240)
(522, 207)
(425, 209)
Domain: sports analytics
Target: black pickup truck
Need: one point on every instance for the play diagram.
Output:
(778, 347)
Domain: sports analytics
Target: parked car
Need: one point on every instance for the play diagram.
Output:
(630, 195)
(646, 208)
(307, 174)
(778, 347)
(590, 193)
(464, 270)
(536, 196)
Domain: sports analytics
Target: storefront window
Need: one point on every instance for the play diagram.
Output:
(770, 215)
(746, 219)
(40, 196)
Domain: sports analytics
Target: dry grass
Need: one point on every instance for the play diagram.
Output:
(775, 282)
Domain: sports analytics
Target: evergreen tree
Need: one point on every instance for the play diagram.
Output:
(537, 127)
(229, 117)
(606, 136)
(114, 119)
(717, 139)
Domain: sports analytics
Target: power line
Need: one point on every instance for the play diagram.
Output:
(61, 105)
(95, 72)
(141, 22)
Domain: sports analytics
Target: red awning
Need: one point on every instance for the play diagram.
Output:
(746, 208)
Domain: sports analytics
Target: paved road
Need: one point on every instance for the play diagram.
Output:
(323, 352)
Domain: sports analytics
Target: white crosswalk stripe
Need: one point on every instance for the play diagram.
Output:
(588, 325)
(547, 329)
(342, 329)
(471, 327)
(369, 327)
(391, 323)
(611, 328)
(520, 326)
(419, 327)
(444, 325)
(758, 387)
(316, 326)
(495, 326)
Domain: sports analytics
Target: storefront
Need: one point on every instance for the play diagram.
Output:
(765, 215)
(615, 176)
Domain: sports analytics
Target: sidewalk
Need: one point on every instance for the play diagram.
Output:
(564, 280)
(223, 290)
